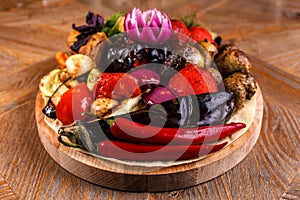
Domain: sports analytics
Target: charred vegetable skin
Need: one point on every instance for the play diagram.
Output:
(85, 134)
(118, 54)
(189, 111)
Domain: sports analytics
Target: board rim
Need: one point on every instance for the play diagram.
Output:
(85, 167)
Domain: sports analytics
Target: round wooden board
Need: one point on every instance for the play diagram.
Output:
(148, 179)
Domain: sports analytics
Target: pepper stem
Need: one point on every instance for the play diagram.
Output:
(67, 143)
(107, 120)
(72, 133)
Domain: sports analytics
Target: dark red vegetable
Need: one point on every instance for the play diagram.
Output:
(141, 152)
(131, 131)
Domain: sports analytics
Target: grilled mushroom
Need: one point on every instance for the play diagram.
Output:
(231, 61)
(242, 85)
(248, 82)
(225, 47)
(236, 86)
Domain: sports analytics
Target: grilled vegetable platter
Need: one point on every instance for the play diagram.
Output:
(146, 90)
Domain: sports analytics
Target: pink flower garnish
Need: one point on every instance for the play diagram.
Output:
(150, 26)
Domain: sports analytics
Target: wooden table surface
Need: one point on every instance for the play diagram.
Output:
(31, 31)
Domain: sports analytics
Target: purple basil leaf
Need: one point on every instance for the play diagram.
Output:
(82, 28)
(94, 24)
(79, 43)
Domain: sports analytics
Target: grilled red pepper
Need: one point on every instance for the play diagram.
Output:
(141, 152)
(131, 131)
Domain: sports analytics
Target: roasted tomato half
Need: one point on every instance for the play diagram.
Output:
(182, 33)
(116, 86)
(179, 26)
(193, 80)
(73, 103)
(200, 34)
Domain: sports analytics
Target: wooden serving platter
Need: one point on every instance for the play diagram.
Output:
(135, 178)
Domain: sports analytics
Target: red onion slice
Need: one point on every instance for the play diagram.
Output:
(146, 77)
(158, 95)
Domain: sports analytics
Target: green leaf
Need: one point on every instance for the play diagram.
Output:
(110, 27)
(189, 22)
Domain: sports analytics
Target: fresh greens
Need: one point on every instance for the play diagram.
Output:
(110, 27)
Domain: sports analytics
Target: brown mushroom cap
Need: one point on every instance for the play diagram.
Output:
(231, 61)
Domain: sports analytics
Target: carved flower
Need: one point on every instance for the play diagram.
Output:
(150, 26)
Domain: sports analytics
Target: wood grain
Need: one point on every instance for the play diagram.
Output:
(292, 192)
(5, 190)
(33, 30)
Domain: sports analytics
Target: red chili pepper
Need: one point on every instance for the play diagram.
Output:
(134, 132)
(141, 152)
